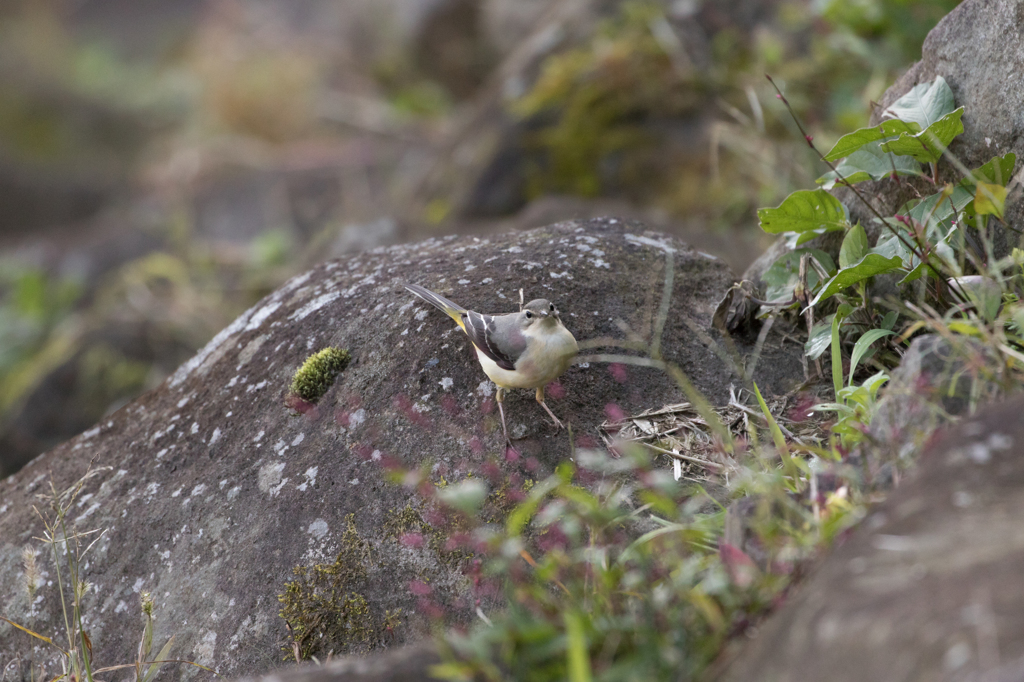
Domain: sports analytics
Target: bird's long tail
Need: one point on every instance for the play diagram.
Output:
(451, 309)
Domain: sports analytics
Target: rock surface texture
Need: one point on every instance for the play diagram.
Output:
(929, 587)
(217, 490)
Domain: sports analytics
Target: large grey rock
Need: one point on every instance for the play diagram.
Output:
(938, 381)
(218, 490)
(928, 588)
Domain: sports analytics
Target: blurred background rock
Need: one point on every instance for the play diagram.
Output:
(166, 163)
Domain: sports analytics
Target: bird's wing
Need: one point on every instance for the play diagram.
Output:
(497, 337)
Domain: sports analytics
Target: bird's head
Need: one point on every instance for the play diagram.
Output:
(538, 312)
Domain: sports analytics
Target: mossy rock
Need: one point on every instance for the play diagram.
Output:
(318, 373)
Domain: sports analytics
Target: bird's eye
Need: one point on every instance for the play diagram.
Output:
(552, 307)
(528, 314)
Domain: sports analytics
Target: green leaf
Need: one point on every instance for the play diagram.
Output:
(990, 199)
(869, 163)
(805, 210)
(855, 246)
(164, 655)
(863, 345)
(927, 145)
(924, 104)
(783, 276)
(777, 437)
(577, 658)
(466, 495)
(525, 510)
(889, 320)
(998, 171)
(936, 212)
(892, 246)
(871, 265)
(850, 143)
(943, 258)
(837, 357)
(983, 292)
(819, 338)
(937, 208)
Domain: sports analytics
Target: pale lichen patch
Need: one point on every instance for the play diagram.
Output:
(269, 478)
(260, 316)
(318, 529)
(314, 305)
(247, 353)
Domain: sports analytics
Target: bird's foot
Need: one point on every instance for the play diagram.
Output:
(558, 422)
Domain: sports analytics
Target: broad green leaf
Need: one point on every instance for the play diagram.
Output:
(924, 104)
(851, 142)
(875, 382)
(855, 246)
(819, 338)
(990, 199)
(927, 145)
(943, 258)
(937, 209)
(805, 210)
(889, 320)
(984, 293)
(863, 345)
(871, 265)
(892, 246)
(937, 213)
(998, 171)
(869, 163)
(782, 277)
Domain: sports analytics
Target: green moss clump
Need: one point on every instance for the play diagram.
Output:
(318, 372)
(323, 608)
(408, 520)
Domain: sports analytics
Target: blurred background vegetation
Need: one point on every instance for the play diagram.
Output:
(166, 163)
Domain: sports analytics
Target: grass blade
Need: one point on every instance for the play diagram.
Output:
(576, 649)
(837, 358)
(773, 428)
(862, 346)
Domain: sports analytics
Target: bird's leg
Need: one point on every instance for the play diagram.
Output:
(499, 397)
(540, 399)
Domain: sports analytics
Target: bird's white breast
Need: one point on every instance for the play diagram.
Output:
(549, 354)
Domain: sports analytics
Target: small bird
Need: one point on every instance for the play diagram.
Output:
(528, 349)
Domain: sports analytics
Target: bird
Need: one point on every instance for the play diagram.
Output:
(528, 349)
